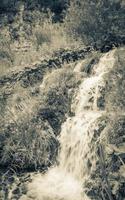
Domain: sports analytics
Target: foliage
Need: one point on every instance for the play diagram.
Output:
(56, 6)
(97, 22)
(30, 124)
(34, 35)
(26, 141)
(57, 92)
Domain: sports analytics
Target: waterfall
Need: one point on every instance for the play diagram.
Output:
(65, 181)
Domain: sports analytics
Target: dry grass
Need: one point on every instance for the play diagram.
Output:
(27, 137)
(50, 37)
(28, 132)
(36, 40)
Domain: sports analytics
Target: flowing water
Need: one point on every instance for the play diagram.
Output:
(65, 181)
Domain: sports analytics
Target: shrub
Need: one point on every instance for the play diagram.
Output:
(97, 22)
(56, 6)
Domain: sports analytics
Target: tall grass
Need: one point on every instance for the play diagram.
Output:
(35, 36)
(30, 123)
(50, 37)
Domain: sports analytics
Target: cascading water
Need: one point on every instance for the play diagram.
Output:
(65, 181)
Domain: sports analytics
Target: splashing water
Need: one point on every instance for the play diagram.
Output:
(64, 182)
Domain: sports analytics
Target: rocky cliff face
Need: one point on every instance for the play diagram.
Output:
(83, 103)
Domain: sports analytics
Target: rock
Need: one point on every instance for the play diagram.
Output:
(16, 191)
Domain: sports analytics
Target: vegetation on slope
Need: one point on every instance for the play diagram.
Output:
(33, 119)
(38, 28)
(31, 116)
(58, 7)
(98, 23)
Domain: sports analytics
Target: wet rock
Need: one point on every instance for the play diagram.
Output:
(16, 191)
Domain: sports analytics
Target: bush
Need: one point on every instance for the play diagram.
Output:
(97, 22)
(56, 6)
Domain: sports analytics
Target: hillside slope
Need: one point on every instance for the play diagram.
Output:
(92, 155)
(74, 100)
